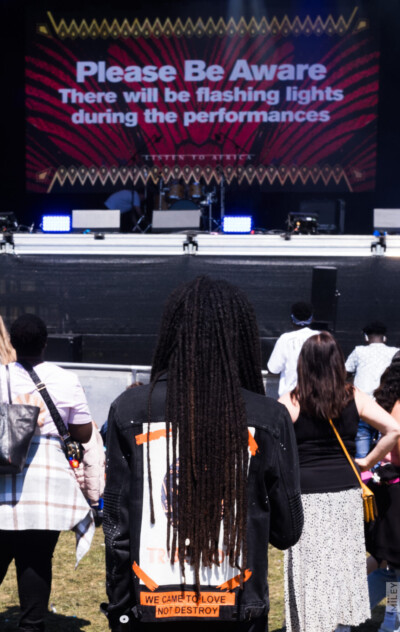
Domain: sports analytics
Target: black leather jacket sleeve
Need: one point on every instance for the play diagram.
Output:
(116, 522)
(284, 492)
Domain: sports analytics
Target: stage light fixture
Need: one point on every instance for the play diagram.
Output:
(302, 223)
(8, 221)
(237, 224)
(56, 223)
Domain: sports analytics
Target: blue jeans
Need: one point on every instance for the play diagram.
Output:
(377, 588)
(364, 439)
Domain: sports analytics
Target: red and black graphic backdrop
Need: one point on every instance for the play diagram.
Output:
(281, 99)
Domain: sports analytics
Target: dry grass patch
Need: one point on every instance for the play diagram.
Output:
(76, 595)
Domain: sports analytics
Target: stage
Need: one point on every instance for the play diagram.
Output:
(200, 244)
(102, 298)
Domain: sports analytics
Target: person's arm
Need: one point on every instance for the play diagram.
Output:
(116, 523)
(378, 418)
(79, 421)
(351, 363)
(395, 454)
(276, 361)
(136, 207)
(81, 432)
(284, 492)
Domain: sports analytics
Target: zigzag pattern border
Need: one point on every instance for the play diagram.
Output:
(125, 29)
(248, 175)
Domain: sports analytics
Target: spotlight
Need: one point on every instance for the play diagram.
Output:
(56, 224)
(237, 224)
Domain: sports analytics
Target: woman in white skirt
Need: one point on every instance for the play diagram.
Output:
(325, 572)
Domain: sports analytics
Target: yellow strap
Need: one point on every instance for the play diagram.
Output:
(350, 460)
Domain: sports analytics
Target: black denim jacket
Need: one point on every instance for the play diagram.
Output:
(274, 513)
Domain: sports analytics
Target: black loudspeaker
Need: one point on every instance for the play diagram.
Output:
(331, 214)
(64, 348)
(324, 297)
(176, 220)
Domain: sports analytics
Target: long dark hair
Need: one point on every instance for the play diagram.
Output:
(388, 391)
(322, 391)
(209, 347)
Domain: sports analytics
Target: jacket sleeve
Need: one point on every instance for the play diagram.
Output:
(284, 492)
(116, 523)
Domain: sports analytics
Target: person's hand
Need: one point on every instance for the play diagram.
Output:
(362, 464)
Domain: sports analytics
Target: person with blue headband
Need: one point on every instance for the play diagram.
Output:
(284, 357)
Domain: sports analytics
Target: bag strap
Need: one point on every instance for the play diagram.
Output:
(60, 425)
(350, 460)
(8, 383)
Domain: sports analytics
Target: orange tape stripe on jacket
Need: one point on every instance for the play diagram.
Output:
(148, 582)
(235, 581)
(156, 434)
(253, 447)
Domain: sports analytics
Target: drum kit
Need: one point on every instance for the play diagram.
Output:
(180, 196)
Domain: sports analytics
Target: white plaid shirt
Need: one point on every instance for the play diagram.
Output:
(46, 495)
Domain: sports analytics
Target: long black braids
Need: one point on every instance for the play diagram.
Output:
(209, 347)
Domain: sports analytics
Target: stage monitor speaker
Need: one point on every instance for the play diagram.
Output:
(176, 220)
(331, 214)
(324, 296)
(387, 219)
(96, 219)
(64, 348)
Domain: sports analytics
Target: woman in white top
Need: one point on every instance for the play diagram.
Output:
(45, 497)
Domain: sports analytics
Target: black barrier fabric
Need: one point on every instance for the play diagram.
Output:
(115, 303)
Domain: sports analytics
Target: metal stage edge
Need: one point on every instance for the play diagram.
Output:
(199, 244)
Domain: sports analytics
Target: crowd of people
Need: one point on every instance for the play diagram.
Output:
(207, 469)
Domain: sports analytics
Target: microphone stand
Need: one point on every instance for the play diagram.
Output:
(220, 168)
(222, 196)
(222, 180)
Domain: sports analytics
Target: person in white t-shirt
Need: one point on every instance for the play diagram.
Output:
(284, 357)
(367, 363)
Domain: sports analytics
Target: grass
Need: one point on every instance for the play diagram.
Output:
(76, 595)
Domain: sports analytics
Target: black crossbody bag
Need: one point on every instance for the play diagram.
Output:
(17, 427)
(73, 449)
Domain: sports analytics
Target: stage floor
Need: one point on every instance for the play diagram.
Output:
(200, 244)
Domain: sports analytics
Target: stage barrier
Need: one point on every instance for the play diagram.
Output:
(102, 383)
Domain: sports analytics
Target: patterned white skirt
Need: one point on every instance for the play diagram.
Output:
(325, 572)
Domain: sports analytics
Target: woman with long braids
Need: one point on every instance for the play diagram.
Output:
(202, 474)
(325, 572)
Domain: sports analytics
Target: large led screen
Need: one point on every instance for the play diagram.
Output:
(283, 99)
